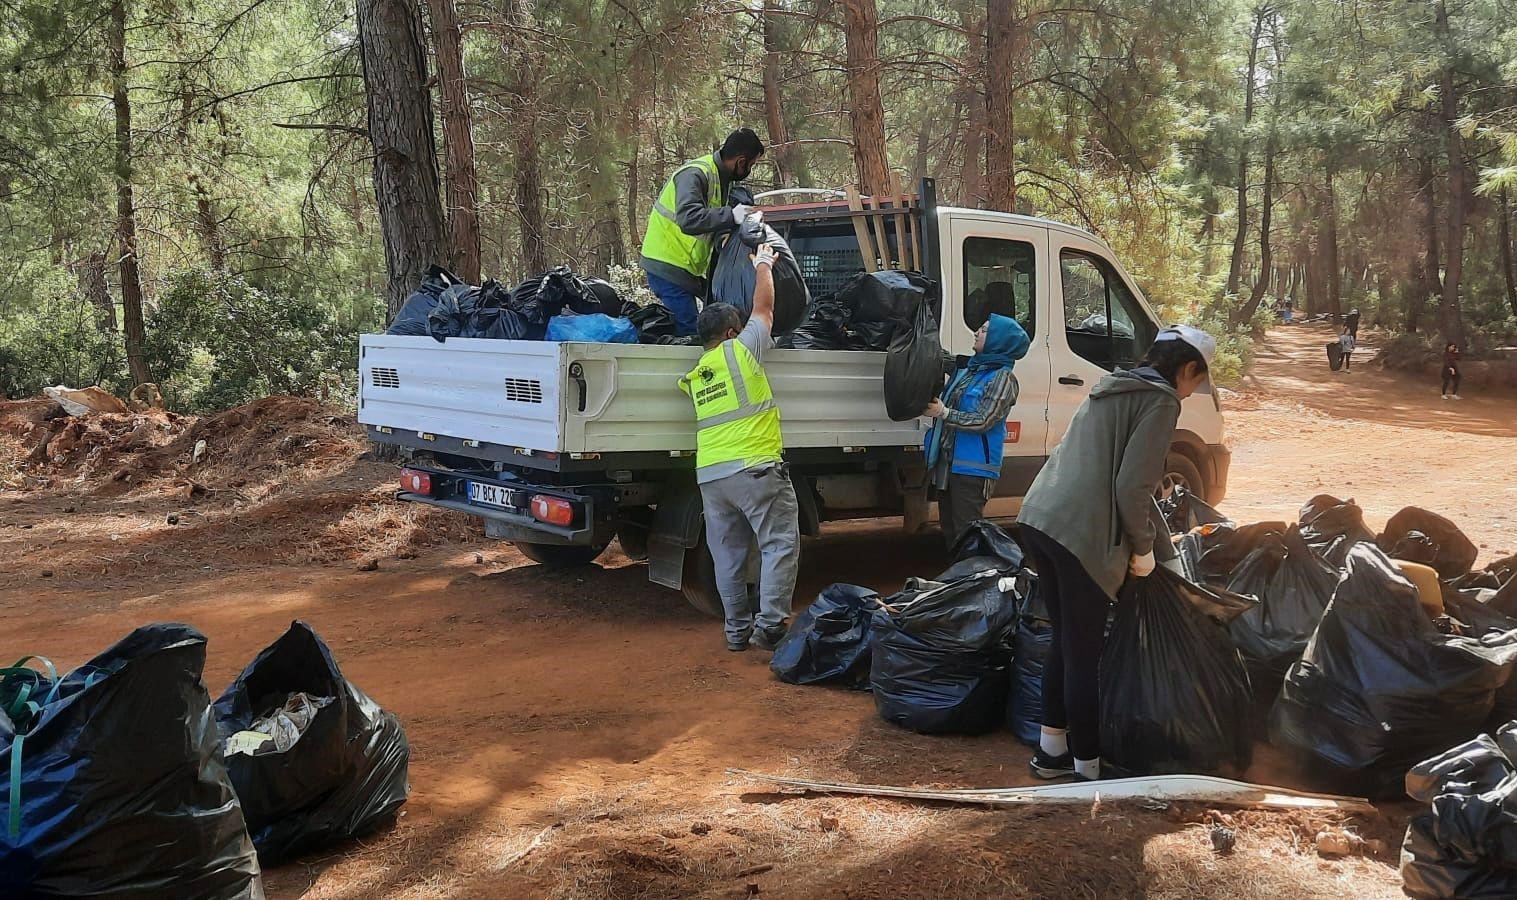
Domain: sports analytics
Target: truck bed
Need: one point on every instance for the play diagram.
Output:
(523, 396)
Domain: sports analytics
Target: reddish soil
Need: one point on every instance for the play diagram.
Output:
(590, 716)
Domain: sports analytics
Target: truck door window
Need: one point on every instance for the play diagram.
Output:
(999, 276)
(1102, 319)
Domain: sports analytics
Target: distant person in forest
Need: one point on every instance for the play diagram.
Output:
(1287, 310)
(1351, 322)
(1451, 372)
(1346, 341)
(690, 212)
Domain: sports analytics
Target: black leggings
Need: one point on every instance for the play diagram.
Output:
(1078, 608)
(1451, 377)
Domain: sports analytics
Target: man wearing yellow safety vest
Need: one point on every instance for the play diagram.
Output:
(745, 485)
(691, 211)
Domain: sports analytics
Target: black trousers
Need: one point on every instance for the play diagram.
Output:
(1078, 609)
(961, 504)
(1451, 377)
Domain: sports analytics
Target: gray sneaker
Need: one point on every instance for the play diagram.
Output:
(768, 638)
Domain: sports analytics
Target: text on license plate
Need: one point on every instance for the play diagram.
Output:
(489, 494)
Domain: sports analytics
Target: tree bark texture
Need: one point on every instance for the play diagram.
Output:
(867, 113)
(1240, 237)
(394, 57)
(1450, 316)
(1330, 269)
(774, 110)
(1003, 39)
(524, 48)
(972, 168)
(94, 288)
(1504, 235)
(458, 142)
(133, 335)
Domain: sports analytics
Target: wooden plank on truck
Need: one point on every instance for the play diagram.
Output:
(875, 203)
(861, 230)
(903, 246)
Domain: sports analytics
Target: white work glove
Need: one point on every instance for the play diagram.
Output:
(1141, 566)
(742, 212)
(763, 256)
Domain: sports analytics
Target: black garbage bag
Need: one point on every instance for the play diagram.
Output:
(559, 288)
(454, 312)
(1293, 586)
(1183, 511)
(1334, 355)
(339, 778)
(1332, 526)
(983, 545)
(887, 297)
(1175, 696)
(1033, 640)
(938, 662)
(1466, 845)
(122, 790)
(494, 318)
(733, 279)
(1414, 546)
(1380, 687)
(829, 641)
(655, 324)
(1210, 553)
(412, 318)
(1453, 553)
(825, 327)
(913, 367)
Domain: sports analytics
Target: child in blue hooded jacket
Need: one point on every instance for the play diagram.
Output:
(965, 444)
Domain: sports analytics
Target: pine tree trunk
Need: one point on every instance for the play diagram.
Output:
(1261, 285)
(1416, 295)
(1504, 235)
(867, 113)
(133, 336)
(1330, 248)
(972, 167)
(394, 57)
(524, 48)
(95, 289)
(205, 209)
(1240, 237)
(774, 108)
(1450, 317)
(633, 186)
(458, 142)
(1002, 33)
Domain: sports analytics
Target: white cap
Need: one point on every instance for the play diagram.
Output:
(1203, 343)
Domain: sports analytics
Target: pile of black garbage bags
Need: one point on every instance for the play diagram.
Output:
(123, 779)
(559, 305)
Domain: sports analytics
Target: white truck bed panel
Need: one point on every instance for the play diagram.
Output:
(520, 394)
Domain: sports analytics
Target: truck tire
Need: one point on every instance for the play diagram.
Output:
(561, 556)
(698, 581)
(1180, 471)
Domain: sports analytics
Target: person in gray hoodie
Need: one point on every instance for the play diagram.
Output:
(1089, 521)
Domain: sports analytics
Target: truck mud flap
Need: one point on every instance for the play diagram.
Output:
(676, 529)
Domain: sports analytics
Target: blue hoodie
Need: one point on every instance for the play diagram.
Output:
(977, 451)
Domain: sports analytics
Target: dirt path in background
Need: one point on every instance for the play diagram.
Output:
(596, 713)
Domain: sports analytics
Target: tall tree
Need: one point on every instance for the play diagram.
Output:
(1003, 39)
(1267, 201)
(133, 335)
(394, 57)
(1450, 315)
(458, 142)
(774, 107)
(1504, 236)
(1240, 236)
(527, 62)
(865, 110)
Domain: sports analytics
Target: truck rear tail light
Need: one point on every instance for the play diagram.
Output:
(552, 510)
(415, 482)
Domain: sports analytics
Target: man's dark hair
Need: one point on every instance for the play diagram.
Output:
(712, 324)
(1169, 357)
(742, 142)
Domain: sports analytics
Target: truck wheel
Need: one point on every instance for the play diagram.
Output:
(1179, 471)
(698, 581)
(560, 556)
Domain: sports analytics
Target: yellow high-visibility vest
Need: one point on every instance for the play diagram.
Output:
(735, 416)
(664, 241)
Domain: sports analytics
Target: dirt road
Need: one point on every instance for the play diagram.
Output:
(590, 717)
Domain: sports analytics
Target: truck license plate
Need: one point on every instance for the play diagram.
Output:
(489, 494)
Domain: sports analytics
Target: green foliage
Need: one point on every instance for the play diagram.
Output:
(55, 340)
(221, 342)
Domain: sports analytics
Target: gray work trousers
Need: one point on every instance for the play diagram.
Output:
(755, 506)
(962, 503)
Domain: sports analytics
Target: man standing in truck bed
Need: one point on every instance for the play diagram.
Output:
(745, 484)
(691, 211)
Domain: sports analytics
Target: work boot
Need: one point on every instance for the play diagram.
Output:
(768, 638)
(741, 644)
(1051, 767)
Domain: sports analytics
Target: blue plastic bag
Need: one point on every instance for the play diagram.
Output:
(596, 328)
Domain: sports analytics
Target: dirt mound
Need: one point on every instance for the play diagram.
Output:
(116, 453)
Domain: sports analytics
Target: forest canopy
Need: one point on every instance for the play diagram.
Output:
(218, 196)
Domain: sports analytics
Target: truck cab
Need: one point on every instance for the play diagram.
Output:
(562, 447)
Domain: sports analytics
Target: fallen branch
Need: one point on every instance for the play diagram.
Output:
(1202, 788)
(538, 841)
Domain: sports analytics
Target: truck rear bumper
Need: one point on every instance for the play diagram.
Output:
(508, 525)
(1219, 460)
